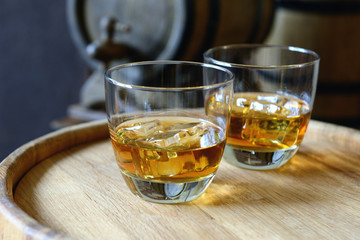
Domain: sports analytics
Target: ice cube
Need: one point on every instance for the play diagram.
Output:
(202, 163)
(268, 98)
(145, 128)
(172, 154)
(176, 137)
(259, 108)
(241, 102)
(191, 128)
(263, 107)
(210, 137)
(138, 131)
(292, 106)
(164, 139)
(152, 155)
(169, 168)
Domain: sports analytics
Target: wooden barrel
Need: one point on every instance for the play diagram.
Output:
(332, 29)
(66, 185)
(169, 29)
(112, 32)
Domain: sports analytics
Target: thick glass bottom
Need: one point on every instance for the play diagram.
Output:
(167, 192)
(257, 160)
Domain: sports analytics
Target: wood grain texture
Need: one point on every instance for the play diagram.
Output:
(76, 191)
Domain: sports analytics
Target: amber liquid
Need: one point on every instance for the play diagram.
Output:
(168, 149)
(267, 122)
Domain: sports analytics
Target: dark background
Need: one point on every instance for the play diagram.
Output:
(41, 70)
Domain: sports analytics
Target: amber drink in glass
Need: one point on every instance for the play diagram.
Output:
(274, 94)
(167, 143)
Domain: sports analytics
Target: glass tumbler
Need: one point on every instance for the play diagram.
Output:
(274, 92)
(168, 123)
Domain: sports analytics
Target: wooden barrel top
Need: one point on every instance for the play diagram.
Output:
(66, 185)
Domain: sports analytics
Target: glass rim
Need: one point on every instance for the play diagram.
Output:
(168, 62)
(248, 46)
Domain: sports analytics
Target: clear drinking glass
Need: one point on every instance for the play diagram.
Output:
(168, 122)
(274, 92)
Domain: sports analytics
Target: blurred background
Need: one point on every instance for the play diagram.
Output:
(52, 56)
(41, 71)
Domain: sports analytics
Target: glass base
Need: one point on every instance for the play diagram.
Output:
(256, 160)
(167, 192)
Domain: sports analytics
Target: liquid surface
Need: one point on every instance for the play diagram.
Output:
(267, 122)
(168, 149)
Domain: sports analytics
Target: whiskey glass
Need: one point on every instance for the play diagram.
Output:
(274, 91)
(168, 123)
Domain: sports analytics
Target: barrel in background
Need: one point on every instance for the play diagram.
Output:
(111, 32)
(218, 22)
(332, 29)
(169, 29)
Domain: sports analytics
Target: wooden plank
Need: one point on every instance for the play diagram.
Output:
(78, 192)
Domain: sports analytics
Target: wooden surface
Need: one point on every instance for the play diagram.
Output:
(67, 185)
